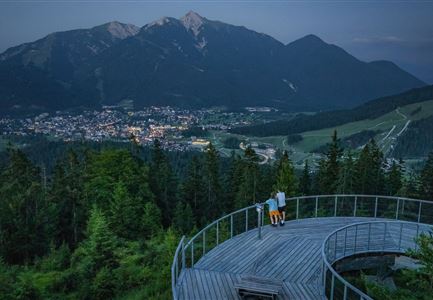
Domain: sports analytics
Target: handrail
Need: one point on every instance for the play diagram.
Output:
(175, 266)
(395, 208)
(387, 228)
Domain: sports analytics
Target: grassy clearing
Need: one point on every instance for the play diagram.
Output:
(390, 125)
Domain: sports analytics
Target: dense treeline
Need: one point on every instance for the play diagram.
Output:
(369, 110)
(353, 141)
(104, 223)
(420, 147)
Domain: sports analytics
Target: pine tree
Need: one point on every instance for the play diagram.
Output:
(248, 189)
(394, 179)
(332, 166)
(233, 179)
(346, 182)
(151, 220)
(193, 188)
(212, 207)
(378, 174)
(23, 211)
(183, 220)
(125, 214)
(163, 183)
(286, 180)
(305, 181)
(427, 179)
(101, 243)
(370, 177)
(411, 186)
(67, 200)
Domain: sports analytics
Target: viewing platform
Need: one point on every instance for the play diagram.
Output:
(239, 252)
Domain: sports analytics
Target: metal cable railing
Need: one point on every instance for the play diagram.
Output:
(248, 219)
(364, 238)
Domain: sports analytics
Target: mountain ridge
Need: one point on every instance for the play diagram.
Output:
(193, 62)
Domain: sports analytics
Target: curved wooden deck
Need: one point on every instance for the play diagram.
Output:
(290, 253)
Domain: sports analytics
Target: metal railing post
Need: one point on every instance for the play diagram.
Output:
(246, 220)
(384, 237)
(345, 239)
(356, 239)
(401, 233)
(375, 209)
(419, 211)
(324, 276)
(335, 206)
(398, 207)
(204, 243)
(218, 233)
(331, 296)
(297, 208)
(317, 206)
(231, 226)
(354, 207)
(335, 246)
(192, 254)
(345, 292)
(369, 234)
(183, 255)
(259, 223)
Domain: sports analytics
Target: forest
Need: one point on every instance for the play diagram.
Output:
(103, 222)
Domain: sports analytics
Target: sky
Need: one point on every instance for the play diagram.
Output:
(400, 31)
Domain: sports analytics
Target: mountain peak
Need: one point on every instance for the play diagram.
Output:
(161, 21)
(311, 39)
(122, 31)
(193, 21)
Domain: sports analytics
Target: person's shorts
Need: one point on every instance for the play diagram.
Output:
(274, 213)
(281, 208)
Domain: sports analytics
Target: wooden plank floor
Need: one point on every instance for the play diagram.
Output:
(291, 253)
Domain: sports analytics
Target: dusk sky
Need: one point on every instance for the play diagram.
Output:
(400, 31)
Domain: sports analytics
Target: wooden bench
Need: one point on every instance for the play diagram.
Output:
(254, 287)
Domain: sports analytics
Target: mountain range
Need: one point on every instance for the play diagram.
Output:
(189, 62)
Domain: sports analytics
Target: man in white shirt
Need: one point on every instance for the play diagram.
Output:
(281, 198)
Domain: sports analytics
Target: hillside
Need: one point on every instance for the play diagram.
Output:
(368, 111)
(189, 62)
(401, 125)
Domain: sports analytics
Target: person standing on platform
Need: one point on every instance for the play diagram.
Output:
(274, 215)
(281, 198)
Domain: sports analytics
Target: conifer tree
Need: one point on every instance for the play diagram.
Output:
(394, 179)
(232, 182)
(193, 188)
(369, 171)
(212, 207)
(67, 200)
(151, 219)
(23, 212)
(411, 186)
(305, 180)
(426, 179)
(101, 243)
(332, 166)
(163, 183)
(125, 213)
(346, 183)
(248, 189)
(183, 219)
(286, 180)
